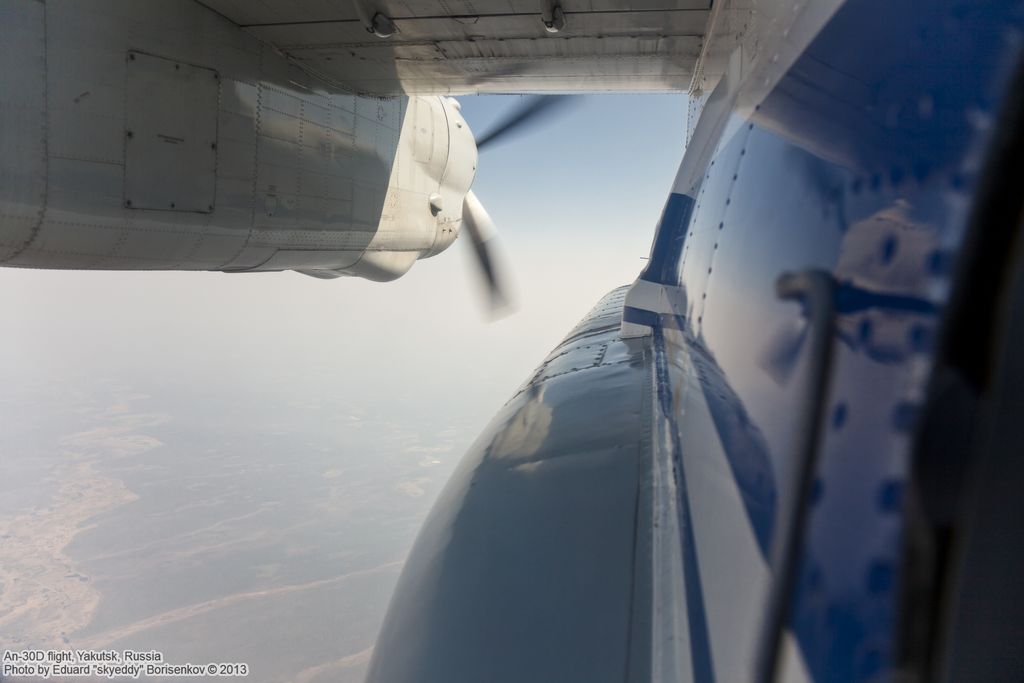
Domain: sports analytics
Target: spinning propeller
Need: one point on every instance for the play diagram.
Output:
(533, 111)
(475, 219)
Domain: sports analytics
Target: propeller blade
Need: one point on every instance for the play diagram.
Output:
(481, 231)
(532, 112)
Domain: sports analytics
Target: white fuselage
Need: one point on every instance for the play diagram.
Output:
(158, 135)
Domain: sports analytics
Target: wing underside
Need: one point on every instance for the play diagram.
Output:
(483, 46)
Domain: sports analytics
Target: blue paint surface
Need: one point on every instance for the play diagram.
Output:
(862, 161)
(668, 240)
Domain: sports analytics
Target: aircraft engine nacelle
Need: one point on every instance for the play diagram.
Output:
(181, 158)
(433, 168)
(451, 169)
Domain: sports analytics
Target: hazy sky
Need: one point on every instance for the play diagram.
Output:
(575, 203)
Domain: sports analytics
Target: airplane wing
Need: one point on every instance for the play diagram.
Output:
(483, 46)
(306, 135)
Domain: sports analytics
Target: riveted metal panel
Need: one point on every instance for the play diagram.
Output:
(485, 45)
(23, 122)
(171, 135)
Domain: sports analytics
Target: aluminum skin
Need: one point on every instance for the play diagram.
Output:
(161, 136)
(787, 327)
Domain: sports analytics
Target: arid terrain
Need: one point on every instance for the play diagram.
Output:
(217, 529)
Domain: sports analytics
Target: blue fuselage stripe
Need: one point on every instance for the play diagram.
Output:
(663, 266)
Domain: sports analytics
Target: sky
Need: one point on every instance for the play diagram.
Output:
(575, 203)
